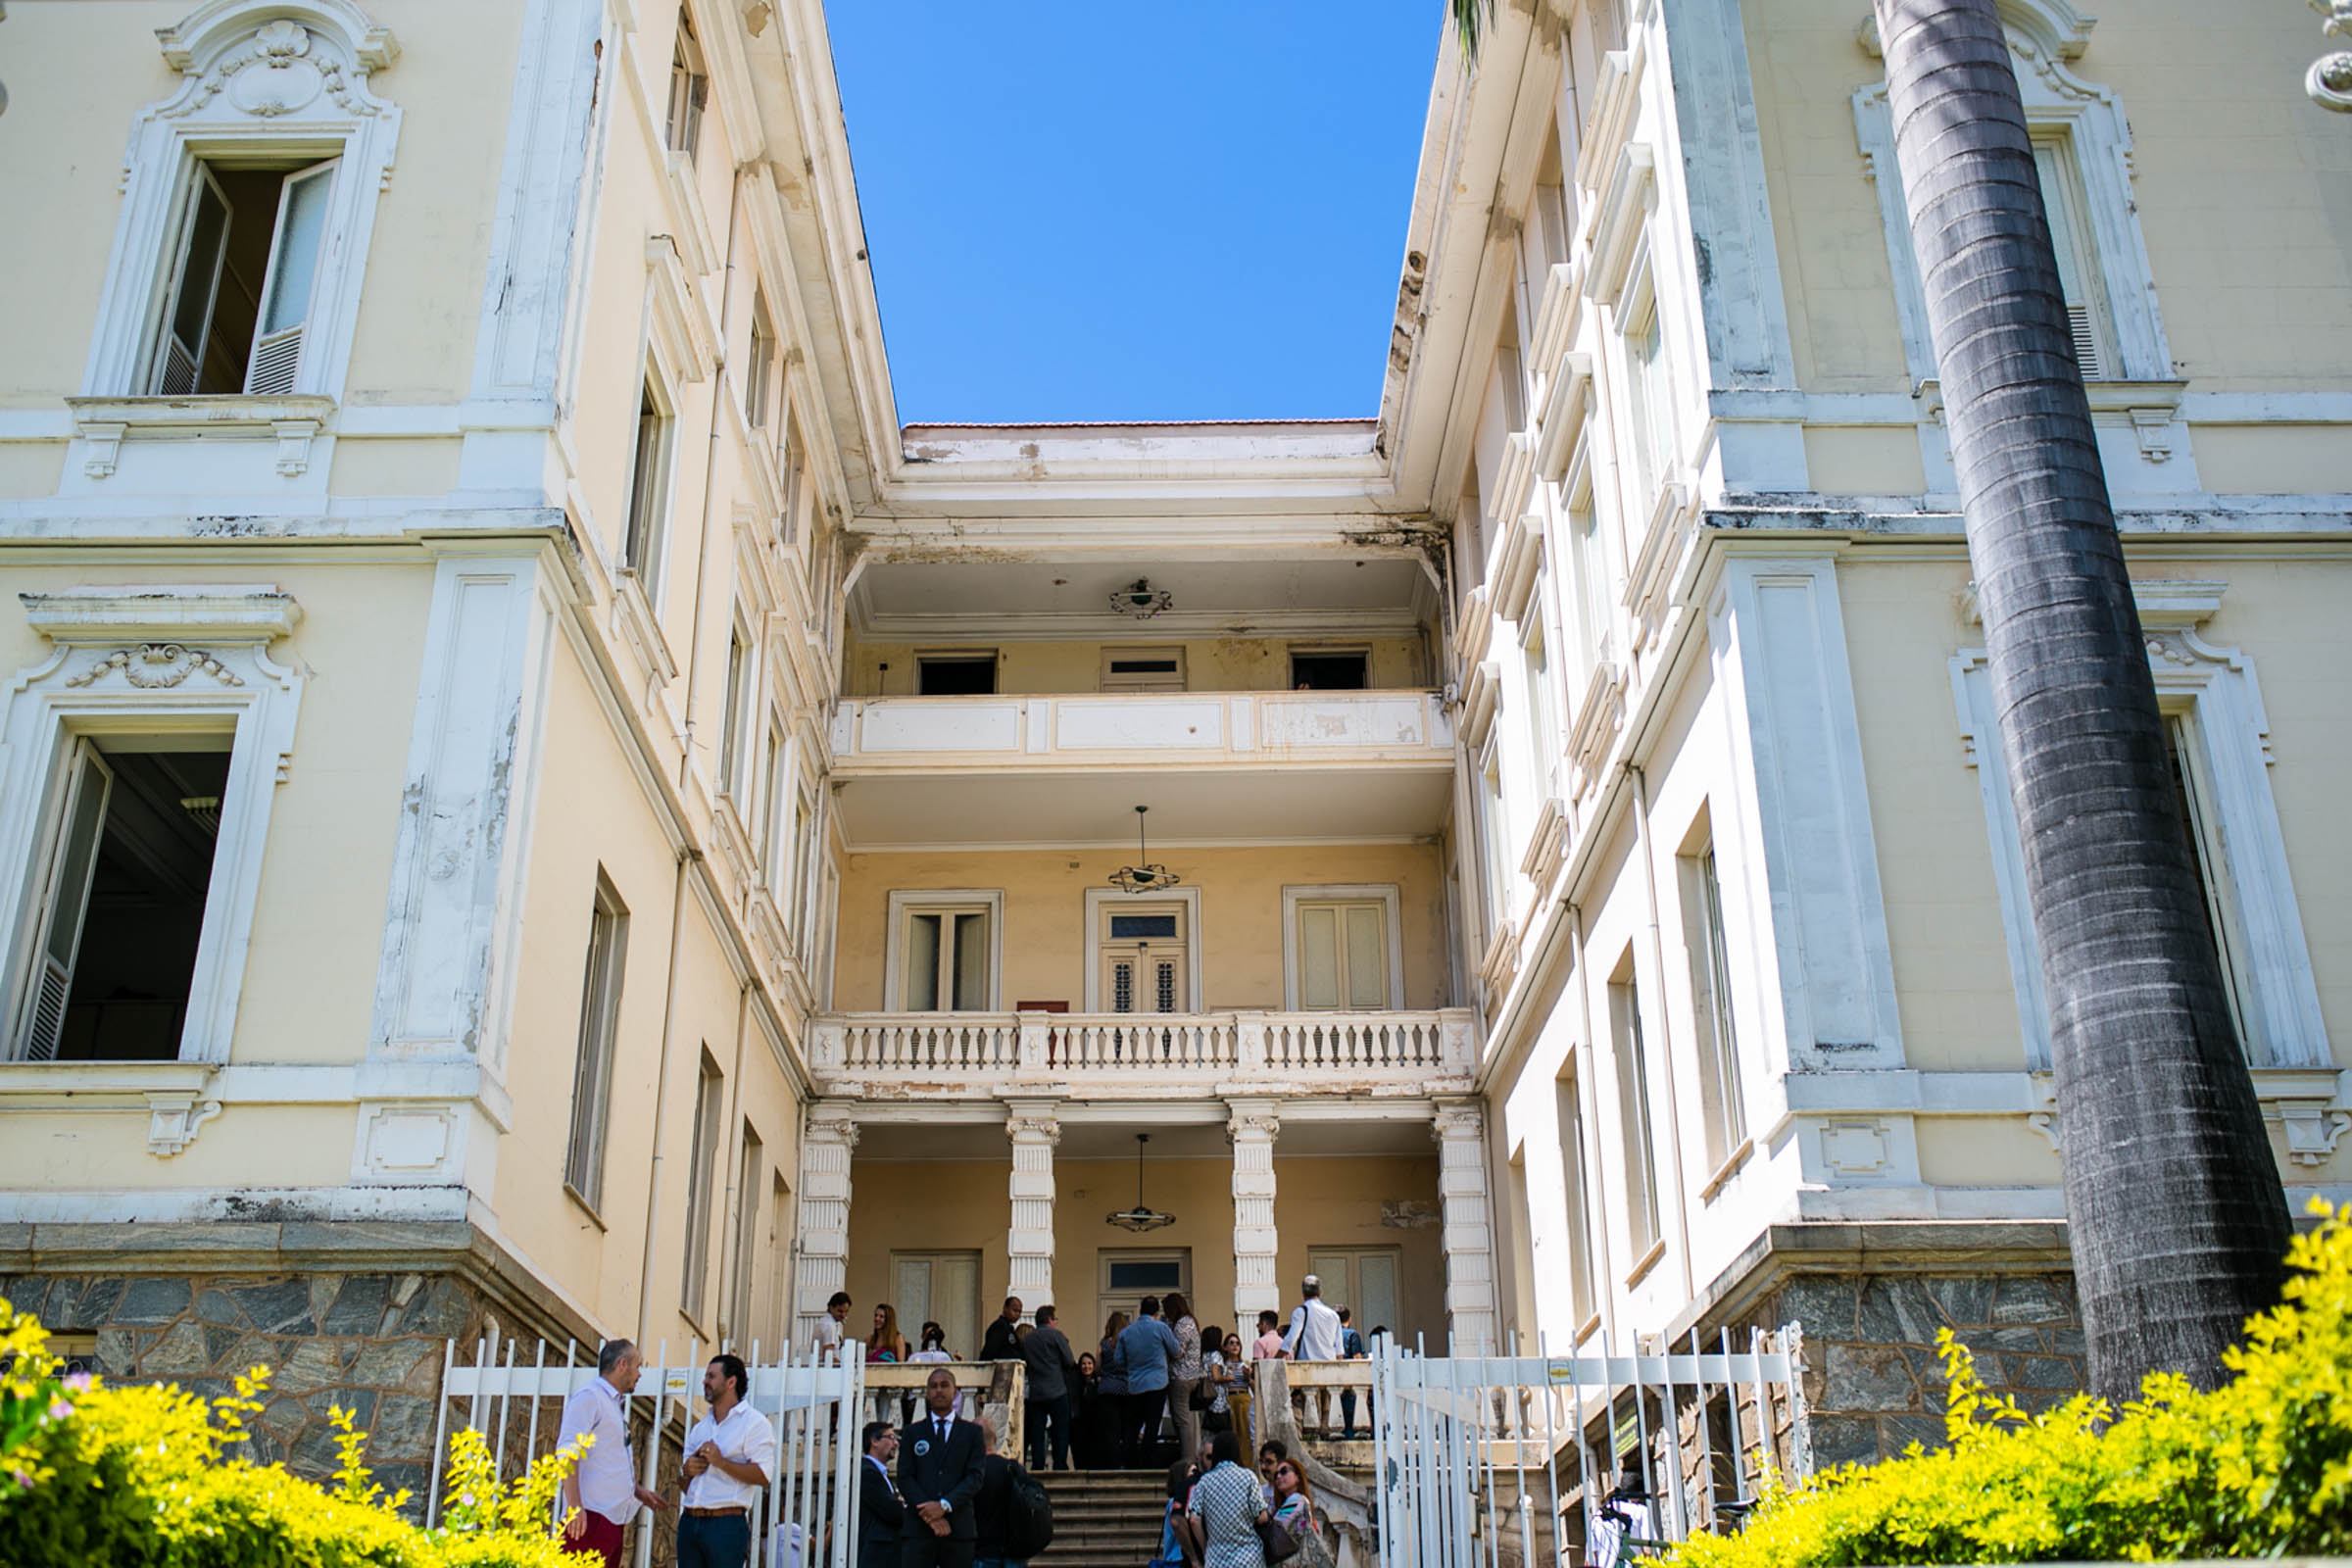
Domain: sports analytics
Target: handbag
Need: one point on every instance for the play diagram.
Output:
(1275, 1539)
(1203, 1397)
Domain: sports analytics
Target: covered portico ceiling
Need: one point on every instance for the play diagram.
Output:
(1096, 810)
(916, 601)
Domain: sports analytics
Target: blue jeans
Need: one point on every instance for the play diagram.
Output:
(724, 1543)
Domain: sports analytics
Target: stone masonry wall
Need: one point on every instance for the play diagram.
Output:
(369, 1343)
(1873, 1382)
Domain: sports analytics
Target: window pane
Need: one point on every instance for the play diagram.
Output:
(294, 263)
(182, 357)
(923, 963)
(1367, 957)
(971, 963)
(1318, 957)
(1142, 927)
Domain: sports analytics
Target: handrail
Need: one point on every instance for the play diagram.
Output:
(1217, 1047)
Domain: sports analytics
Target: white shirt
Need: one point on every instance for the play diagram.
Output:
(607, 1485)
(743, 1437)
(828, 1339)
(1314, 1332)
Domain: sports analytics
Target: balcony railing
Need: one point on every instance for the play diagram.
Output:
(873, 734)
(982, 1051)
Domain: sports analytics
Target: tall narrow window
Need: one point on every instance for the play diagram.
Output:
(689, 89)
(1711, 1007)
(736, 717)
(600, 1019)
(759, 369)
(796, 478)
(2087, 316)
(1342, 953)
(701, 1169)
(1593, 590)
(1536, 656)
(804, 862)
(777, 1320)
(648, 493)
(736, 1324)
(2208, 862)
(1144, 952)
(1647, 407)
(774, 790)
(945, 959)
(1495, 832)
(1633, 1112)
(1584, 1298)
(246, 265)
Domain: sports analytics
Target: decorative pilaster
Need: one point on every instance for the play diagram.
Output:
(1250, 1128)
(823, 1264)
(1460, 1130)
(1034, 1130)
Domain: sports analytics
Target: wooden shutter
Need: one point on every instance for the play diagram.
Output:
(65, 898)
(189, 322)
(2078, 270)
(293, 271)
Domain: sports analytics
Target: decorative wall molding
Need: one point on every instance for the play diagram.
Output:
(256, 76)
(173, 1118)
(126, 655)
(453, 917)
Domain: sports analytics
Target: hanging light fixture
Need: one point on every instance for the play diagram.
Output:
(1140, 600)
(1143, 876)
(1140, 1217)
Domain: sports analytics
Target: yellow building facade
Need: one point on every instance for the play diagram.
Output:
(531, 805)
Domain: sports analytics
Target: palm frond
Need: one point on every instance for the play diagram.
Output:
(1470, 18)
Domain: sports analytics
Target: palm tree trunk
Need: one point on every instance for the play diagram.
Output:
(2175, 1216)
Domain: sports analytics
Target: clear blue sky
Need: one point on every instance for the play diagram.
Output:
(1113, 211)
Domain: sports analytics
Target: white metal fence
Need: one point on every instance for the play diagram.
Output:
(514, 1394)
(1519, 1461)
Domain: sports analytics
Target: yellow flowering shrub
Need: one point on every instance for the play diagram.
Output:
(150, 1477)
(2260, 1467)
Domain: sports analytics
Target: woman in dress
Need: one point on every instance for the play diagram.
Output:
(888, 1343)
(1184, 1373)
(1225, 1509)
(1295, 1503)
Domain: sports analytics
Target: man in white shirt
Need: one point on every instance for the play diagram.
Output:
(729, 1453)
(601, 1495)
(829, 1327)
(1313, 1336)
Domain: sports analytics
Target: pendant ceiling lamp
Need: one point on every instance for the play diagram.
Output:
(1144, 876)
(1142, 1218)
(1140, 600)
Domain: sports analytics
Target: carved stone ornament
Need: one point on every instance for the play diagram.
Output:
(173, 1117)
(152, 667)
(2329, 80)
(280, 67)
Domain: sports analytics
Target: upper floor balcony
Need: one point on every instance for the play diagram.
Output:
(954, 1056)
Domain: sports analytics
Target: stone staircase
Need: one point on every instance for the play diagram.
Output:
(1104, 1518)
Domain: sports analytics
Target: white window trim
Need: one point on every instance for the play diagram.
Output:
(1096, 898)
(906, 900)
(2099, 137)
(218, 668)
(1385, 893)
(249, 86)
(2281, 1001)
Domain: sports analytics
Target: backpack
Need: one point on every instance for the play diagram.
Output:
(1028, 1516)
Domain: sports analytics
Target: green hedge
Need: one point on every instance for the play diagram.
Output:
(150, 1477)
(2260, 1467)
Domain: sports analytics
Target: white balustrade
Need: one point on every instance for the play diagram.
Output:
(986, 1052)
(1195, 728)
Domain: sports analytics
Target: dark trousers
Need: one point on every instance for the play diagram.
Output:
(1138, 1427)
(920, 1548)
(1035, 1417)
(715, 1542)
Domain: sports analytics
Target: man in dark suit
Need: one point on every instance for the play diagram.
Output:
(939, 1478)
(1003, 1341)
(880, 1515)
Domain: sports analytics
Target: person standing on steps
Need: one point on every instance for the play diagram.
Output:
(1149, 1348)
(1184, 1373)
(939, 1477)
(1051, 1369)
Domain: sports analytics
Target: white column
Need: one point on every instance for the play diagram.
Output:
(1251, 1127)
(823, 1264)
(1460, 1129)
(1034, 1130)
